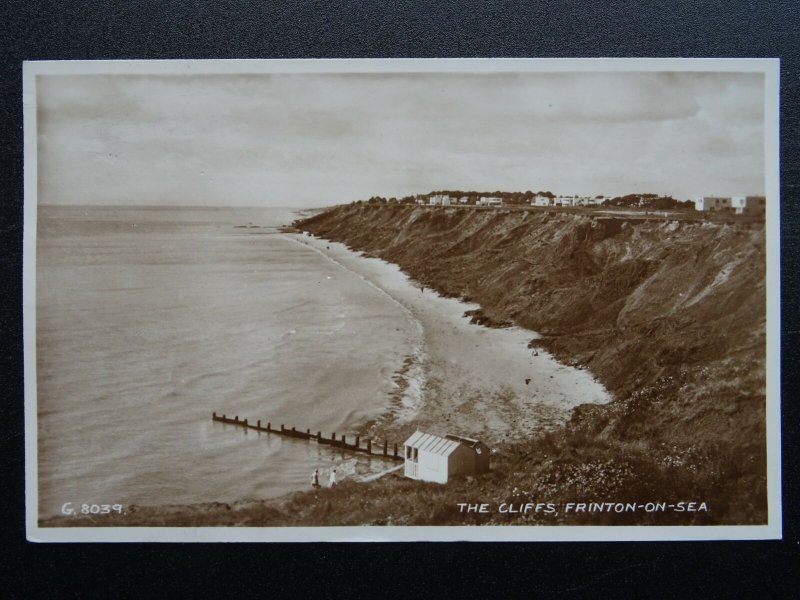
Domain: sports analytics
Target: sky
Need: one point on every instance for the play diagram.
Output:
(306, 140)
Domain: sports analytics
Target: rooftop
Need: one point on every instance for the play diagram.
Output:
(443, 446)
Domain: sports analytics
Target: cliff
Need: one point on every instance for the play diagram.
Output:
(669, 315)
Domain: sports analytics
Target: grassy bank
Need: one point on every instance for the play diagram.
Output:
(670, 316)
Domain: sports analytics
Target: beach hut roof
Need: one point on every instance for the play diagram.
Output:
(464, 440)
(434, 444)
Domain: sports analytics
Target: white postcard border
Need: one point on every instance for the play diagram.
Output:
(773, 530)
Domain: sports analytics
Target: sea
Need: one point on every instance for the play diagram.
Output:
(150, 319)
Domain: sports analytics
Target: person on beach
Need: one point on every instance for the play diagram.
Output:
(315, 478)
(333, 478)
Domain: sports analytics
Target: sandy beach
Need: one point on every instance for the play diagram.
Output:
(467, 379)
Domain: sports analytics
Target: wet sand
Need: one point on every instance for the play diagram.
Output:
(468, 379)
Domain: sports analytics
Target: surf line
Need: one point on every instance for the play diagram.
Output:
(373, 285)
(419, 344)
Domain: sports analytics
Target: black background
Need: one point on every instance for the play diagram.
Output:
(346, 28)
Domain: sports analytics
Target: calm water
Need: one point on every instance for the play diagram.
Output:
(150, 319)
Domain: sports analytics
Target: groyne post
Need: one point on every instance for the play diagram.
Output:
(307, 435)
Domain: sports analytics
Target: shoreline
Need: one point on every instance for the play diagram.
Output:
(476, 381)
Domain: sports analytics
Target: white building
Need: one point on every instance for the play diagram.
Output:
(489, 201)
(749, 205)
(463, 200)
(429, 457)
(566, 200)
(709, 203)
(439, 200)
(540, 201)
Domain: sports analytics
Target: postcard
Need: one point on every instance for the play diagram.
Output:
(401, 300)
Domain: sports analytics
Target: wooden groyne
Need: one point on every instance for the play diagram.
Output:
(380, 451)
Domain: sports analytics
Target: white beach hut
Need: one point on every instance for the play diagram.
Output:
(429, 457)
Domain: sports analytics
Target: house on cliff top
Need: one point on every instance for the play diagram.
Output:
(429, 457)
(540, 201)
(439, 200)
(712, 203)
(749, 205)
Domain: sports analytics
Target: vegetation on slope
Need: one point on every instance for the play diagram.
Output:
(670, 316)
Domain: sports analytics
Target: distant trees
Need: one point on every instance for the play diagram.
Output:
(649, 200)
(473, 196)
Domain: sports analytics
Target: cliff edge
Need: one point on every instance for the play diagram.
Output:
(669, 315)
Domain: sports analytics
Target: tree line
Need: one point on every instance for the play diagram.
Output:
(651, 201)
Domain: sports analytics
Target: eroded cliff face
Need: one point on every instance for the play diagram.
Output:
(669, 315)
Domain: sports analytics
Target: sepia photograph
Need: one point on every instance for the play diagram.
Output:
(402, 299)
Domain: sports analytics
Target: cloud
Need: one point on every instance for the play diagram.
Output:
(314, 139)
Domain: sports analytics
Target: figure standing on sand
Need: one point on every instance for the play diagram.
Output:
(315, 478)
(333, 478)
